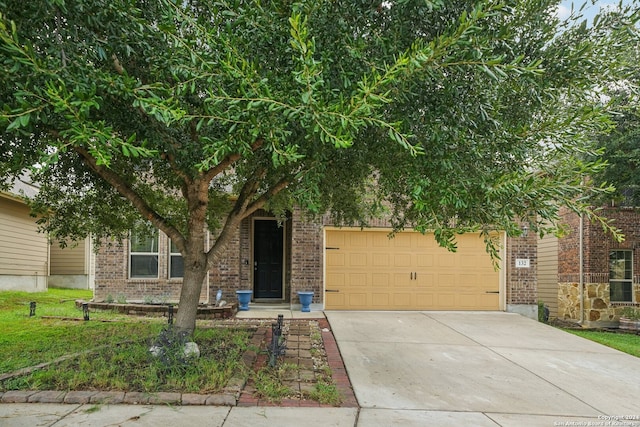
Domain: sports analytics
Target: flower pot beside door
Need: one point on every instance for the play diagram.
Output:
(305, 299)
(244, 298)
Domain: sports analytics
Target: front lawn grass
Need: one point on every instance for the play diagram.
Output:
(27, 341)
(625, 342)
(109, 352)
(131, 367)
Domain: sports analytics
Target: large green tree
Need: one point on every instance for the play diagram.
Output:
(621, 147)
(447, 115)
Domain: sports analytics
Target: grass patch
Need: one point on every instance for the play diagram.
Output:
(110, 355)
(269, 382)
(326, 393)
(111, 352)
(627, 343)
(131, 367)
(27, 341)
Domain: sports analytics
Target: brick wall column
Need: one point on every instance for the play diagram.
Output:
(307, 253)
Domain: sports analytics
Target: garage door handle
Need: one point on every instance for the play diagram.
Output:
(332, 290)
(492, 292)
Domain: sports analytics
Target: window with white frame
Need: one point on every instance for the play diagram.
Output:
(143, 254)
(621, 275)
(176, 264)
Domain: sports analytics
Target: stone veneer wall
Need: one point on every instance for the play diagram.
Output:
(598, 309)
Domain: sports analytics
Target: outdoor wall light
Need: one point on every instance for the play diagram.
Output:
(85, 311)
(525, 230)
(32, 308)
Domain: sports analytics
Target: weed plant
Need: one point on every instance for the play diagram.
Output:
(269, 383)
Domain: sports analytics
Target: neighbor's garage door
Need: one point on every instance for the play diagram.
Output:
(365, 270)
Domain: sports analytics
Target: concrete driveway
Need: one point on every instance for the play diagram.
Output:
(482, 369)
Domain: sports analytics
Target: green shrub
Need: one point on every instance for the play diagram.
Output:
(543, 312)
(631, 313)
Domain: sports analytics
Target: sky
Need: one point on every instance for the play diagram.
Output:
(590, 10)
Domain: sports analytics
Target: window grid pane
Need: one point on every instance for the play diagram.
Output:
(621, 275)
(176, 269)
(176, 264)
(144, 266)
(143, 255)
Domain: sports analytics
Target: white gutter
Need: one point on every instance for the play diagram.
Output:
(581, 257)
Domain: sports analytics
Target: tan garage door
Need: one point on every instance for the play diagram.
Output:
(365, 270)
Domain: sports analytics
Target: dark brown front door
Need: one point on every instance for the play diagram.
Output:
(267, 259)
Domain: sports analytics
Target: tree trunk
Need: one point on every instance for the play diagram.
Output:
(195, 272)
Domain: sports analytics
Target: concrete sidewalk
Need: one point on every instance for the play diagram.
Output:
(60, 415)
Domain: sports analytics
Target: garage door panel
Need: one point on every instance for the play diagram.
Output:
(357, 300)
(358, 260)
(447, 260)
(356, 240)
(424, 260)
(379, 240)
(466, 301)
(466, 280)
(336, 259)
(402, 301)
(425, 300)
(447, 280)
(446, 301)
(358, 280)
(335, 299)
(401, 240)
(407, 272)
(488, 301)
(380, 280)
(402, 260)
(380, 300)
(425, 280)
(380, 259)
(402, 280)
(335, 279)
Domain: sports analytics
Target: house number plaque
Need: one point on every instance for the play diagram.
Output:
(522, 263)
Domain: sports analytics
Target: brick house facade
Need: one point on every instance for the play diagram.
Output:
(606, 263)
(302, 268)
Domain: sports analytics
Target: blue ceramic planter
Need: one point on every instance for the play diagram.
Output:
(305, 299)
(244, 298)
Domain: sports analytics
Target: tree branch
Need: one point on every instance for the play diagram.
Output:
(229, 160)
(126, 191)
(264, 198)
(237, 214)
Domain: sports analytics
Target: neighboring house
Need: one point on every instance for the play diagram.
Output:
(24, 253)
(72, 266)
(610, 269)
(27, 261)
(346, 268)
